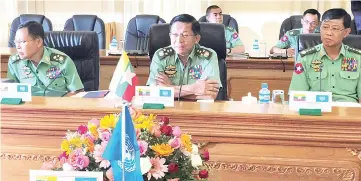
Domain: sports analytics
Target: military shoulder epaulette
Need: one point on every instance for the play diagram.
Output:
(57, 57)
(14, 58)
(204, 53)
(354, 50)
(309, 51)
(294, 32)
(164, 52)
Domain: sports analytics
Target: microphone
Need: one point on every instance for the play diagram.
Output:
(321, 67)
(59, 75)
(181, 81)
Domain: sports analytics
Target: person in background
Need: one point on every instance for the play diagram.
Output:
(331, 66)
(288, 42)
(356, 11)
(185, 65)
(233, 42)
(45, 69)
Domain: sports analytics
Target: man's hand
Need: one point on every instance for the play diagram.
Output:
(163, 80)
(206, 88)
(290, 52)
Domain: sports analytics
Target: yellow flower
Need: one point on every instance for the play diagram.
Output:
(65, 146)
(108, 121)
(89, 145)
(144, 122)
(93, 130)
(69, 145)
(186, 142)
(162, 149)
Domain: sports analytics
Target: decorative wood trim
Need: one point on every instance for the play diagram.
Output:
(343, 174)
(355, 152)
(26, 157)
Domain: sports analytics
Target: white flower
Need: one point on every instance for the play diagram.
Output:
(145, 165)
(196, 160)
(67, 167)
(194, 149)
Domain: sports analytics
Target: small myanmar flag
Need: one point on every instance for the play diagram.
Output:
(124, 79)
(299, 97)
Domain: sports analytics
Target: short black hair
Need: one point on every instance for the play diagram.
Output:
(35, 29)
(210, 8)
(314, 12)
(186, 18)
(337, 13)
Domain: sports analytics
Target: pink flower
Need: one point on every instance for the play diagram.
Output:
(82, 129)
(95, 122)
(98, 152)
(105, 135)
(158, 168)
(173, 179)
(137, 132)
(78, 160)
(175, 143)
(63, 157)
(177, 131)
(156, 131)
(143, 147)
(109, 174)
(48, 166)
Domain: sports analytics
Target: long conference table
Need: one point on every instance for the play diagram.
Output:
(246, 142)
(243, 76)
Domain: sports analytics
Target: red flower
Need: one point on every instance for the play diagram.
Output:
(82, 129)
(165, 120)
(203, 174)
(172, 168)
(166, 130)
(205, 155)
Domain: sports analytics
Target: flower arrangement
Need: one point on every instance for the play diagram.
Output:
(167, 154)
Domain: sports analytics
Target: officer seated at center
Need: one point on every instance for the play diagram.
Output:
(49, 71)
(186, 63)
(331, 66)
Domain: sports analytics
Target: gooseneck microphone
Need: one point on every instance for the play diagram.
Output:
(181, 80)
(321, 67)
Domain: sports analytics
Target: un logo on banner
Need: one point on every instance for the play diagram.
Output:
(129, 156)
(22, 88)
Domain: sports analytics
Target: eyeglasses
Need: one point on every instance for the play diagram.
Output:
(183, 36)
(22, 42)
(312, 23)
(332, 29)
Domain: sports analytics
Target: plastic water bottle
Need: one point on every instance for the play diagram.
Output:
(264, 94)
(113, 44)
(255, 48)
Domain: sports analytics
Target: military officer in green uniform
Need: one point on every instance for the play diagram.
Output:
(233, 42)
(331, 66)
(49, 71)
(288, 41)
(186, 63)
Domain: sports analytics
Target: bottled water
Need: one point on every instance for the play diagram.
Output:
(255, 48)
(264, 94)
(113, 44)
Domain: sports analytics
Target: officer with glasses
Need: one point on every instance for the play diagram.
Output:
(185, 65)
(288, 41)
(49, 71)
(331, 66)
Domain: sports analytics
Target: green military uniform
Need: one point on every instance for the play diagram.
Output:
(290, 39)
(232, 38)
(56, 72)
(202, 64)
(316, 72)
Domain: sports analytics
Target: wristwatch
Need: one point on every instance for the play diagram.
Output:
(229, 50)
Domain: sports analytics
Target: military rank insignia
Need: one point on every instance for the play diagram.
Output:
(170, 71)
(349, 64)
(195, 72)
(53, 72)
(316, 65)
(284, 38)
(299, 68)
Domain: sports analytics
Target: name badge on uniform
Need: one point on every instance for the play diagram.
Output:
(53, 72)
(349, 65)
(195, 72)
(170, 71)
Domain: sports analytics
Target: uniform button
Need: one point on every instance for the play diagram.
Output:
(316, 77)
(333, 63)
(333, 74)
(56, 84)
(37, 72)
(333, 86)
(348, 76)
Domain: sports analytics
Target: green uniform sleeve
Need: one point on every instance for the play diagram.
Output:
(11, 73)
(71, 76)
(284, 42)
(235, 40)
(299, 78)
(359, 87)
(155, 67)
(211, 70)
